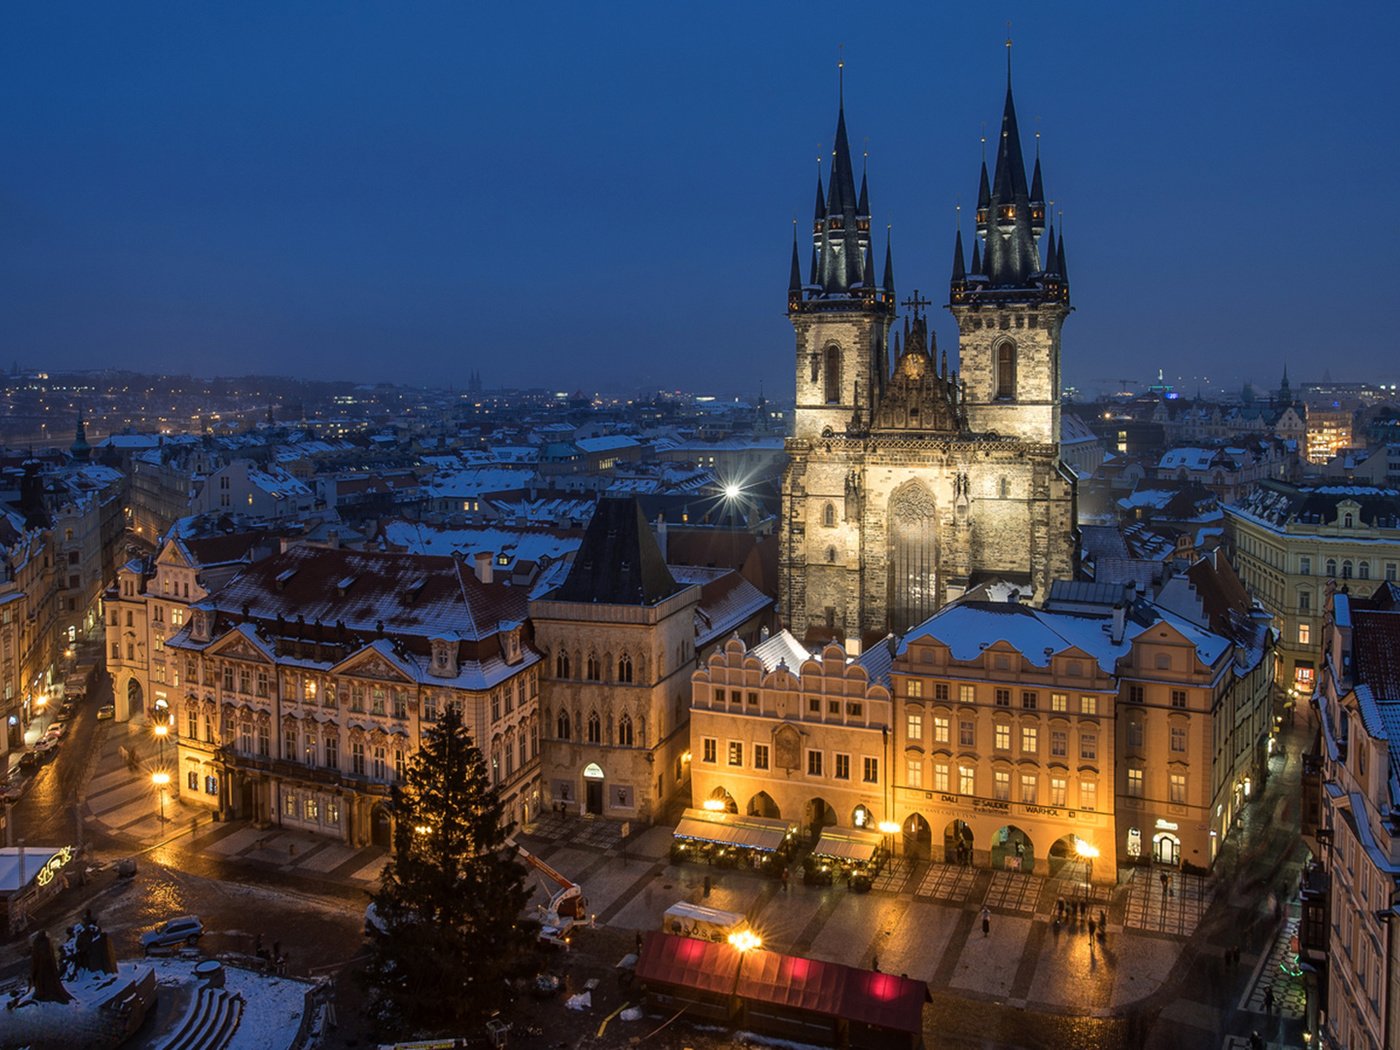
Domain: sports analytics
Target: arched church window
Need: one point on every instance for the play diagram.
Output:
(561, 664)
(831, 555)
(624, 668)
(561, 725)
(816, 361)
(829, 516)
(913, 546)
(833, 375)
(624, 731)
(595, 728)
(1006, 371)
(595, 669)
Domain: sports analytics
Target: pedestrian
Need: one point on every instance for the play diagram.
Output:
(1169, 887)
(1092, 927)
(875, 963)
(1059, 908)
(1256, 1041)
(1081, 911)
(1164, 878)
(986, 921)
(1103, 921)
(1269, 999)
(276, 951)
(785, 879)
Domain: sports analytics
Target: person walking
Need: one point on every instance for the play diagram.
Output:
(986, 921)
(1269, 999)
(1092, 927)
(1164, 878)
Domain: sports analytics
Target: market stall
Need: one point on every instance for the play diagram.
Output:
(850, 854)
(28, 877)
(731, 840)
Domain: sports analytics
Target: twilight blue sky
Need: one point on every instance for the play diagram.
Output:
(601, 195)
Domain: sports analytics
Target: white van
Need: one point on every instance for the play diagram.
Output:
(702, 923)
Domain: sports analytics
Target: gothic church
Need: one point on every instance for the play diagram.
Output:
(910, 482)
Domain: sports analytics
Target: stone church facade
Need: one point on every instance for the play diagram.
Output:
(910, 482)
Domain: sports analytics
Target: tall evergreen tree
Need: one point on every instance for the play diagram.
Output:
(449, 934)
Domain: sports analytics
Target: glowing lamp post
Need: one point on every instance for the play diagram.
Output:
(746, 941)
(161, 779)
(1088, 851)
(889, 829)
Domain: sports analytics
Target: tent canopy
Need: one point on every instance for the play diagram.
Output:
(684, 962)
(847, 844)
(732, 829)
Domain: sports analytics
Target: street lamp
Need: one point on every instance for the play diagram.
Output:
(160, 779)
(1088, 851)
(745, 940)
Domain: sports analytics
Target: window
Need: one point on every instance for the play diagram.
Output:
(914, 772)
(625, 735)
(914, 688)
(914, 726)
(1089, 746)
(1059, 743)
(289, 805)
(1028, 700)
(562, 726)
(192, 780)
(833, 375)
(1304, 599)
(967, 733)
(1331, 566)
(357, 758)
(228, 678)
(624, 668)
(1135, 734)
(1178, 739)
(1177, 787)
(814, 705)
(1088, 794)
(1059, 702)
(736, 753)
(940, 777)
(594, 669)
(833, 707)
(311, 809)
(1057, 791)
(1178, 698)
(1304, 566)
(967, 694)
(1002, 737)
(1390, 571)
(332, 746)
(192, 723)
(870, 770)
(940, 690)
(1346, 569)
(967, 780)
(753, 699)
(380, 767)
(1029, 788)
(1030, 740)
(561, 664)
(1001, 786)
(1135, 783)
(1135, 694)
(814, 763)
(855, 710)
(1304, 633)
(1003, 697)
(842, 770)
(595, 728)
(1088, 705)
(1006, 371)
(760, 756)
(829, 516)
(495, 705)
(709, 749)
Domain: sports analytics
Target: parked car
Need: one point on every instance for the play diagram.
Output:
(187, 929)
(45, 749)
(65, 712)
(107, 711)
(29, 760)
(56, 731)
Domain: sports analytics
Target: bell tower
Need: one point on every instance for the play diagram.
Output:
(842, 314)
(1010, 303)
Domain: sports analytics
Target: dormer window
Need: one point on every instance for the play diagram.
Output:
(1346, 520)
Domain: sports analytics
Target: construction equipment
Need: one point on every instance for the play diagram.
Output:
(567, 906)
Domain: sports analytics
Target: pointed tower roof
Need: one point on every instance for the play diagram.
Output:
(842, 194)
(1060, 256)
(1052, 260)
(984, 188)
(889, 267)
(821, 199)
(958, 271)
(618, 562)
(1037, 183)
(976, 256)
(795, 275)
(863, 205)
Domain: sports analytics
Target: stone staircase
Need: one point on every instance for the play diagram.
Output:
(211, 1022)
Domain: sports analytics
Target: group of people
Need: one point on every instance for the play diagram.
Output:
(1076, 911)
(274, 961)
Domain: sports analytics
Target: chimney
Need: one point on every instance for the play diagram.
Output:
(483, 566)
(1120, 618)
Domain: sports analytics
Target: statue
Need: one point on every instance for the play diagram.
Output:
(853, 499)
(43, 972)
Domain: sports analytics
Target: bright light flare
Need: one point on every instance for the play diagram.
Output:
(732, 491)
(889, 827)
(1086, 850)
(160, 779)
(713, 804)
(745, 940)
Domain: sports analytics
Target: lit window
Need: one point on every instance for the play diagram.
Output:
(1003, 737)
(1088, 705)
(1030, 740)
(915, 726)
(736, 753)
(940, 777)
(1304, 633)
(940, 730)
(1059, 702)
(1029, 788)
(1177, 785)
(967, 780)
(915, 774)
(1001, 786)
(1057, 791)
(967, 694)
(1135, 783)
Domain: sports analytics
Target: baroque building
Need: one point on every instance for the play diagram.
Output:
(910, 481)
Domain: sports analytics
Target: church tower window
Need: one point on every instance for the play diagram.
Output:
(913, 557)
(561, 664)
(1006, 372)
(833, 375)
(595, 728)
(561, 725)
(829, 516)
(624, 731)
(624, 668)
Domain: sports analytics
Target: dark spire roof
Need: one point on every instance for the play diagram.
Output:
(984, 188)
(795, 276)
(863, 206)
(976, 256)
(842, 196)
(889, 267)
(821, 202)
(1060, 256)
(1051, 258)
(618, 562)
(816, 267)
(1037, 184)
(958, 271)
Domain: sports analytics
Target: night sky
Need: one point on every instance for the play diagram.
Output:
(601, 195)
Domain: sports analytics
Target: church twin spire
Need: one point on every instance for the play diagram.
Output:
(1011, 220)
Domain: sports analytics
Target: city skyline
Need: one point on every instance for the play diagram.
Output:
(404, 200)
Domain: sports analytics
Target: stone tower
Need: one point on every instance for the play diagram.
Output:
(908, 483)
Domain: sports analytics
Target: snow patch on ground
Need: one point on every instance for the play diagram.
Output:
(272, 1006)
